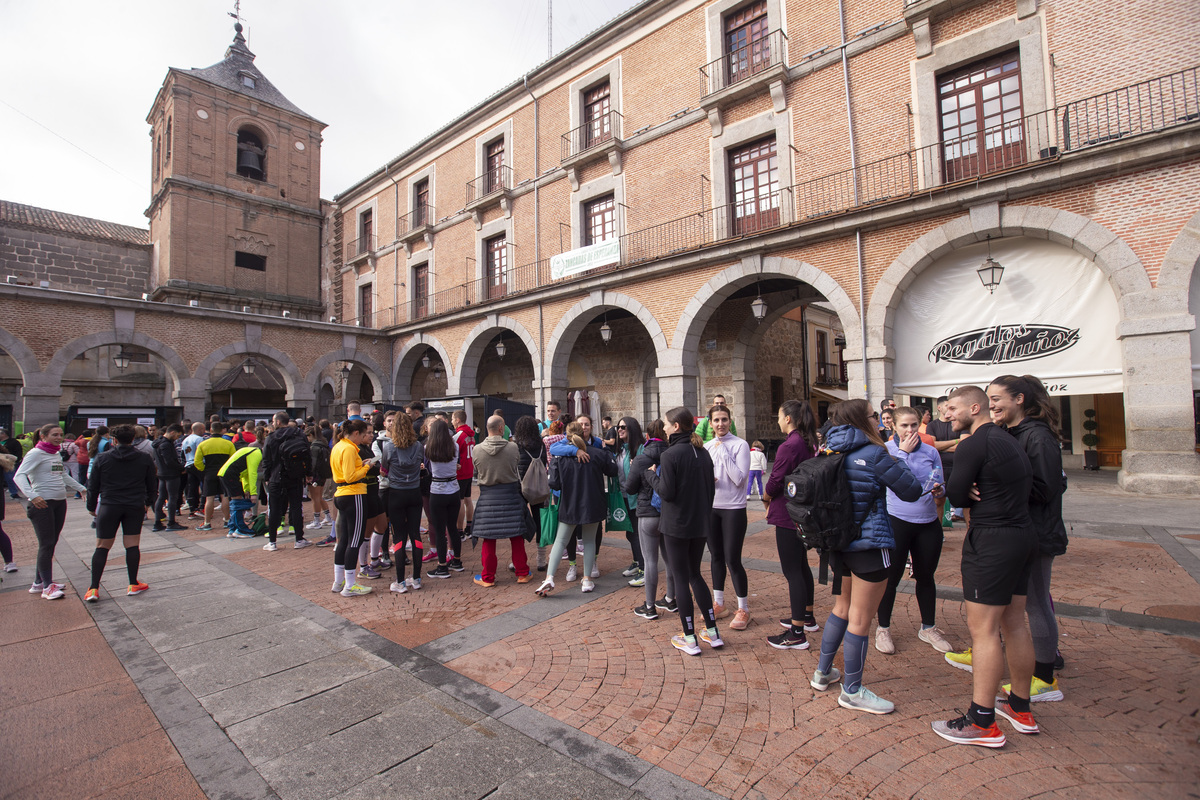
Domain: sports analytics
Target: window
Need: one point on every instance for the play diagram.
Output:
(247, 79)
(420, 293)
(754, 175)
(822, 349)
(496, 275)
(157, 156)
(981, 126)
(366, 230)
(494, 163)
(250, 261)
(747, 48)
(596, 119)
(251, 155)
(421, 204)
(364, 304)
(167, 159)
(600, 220)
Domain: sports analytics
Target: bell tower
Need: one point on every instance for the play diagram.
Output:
(235, 208)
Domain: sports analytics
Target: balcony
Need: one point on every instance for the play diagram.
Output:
(593, 141)
(415, 225)
(762, 64)
(491, 188)
(360, 249)
(831, 375)
(1152, 106)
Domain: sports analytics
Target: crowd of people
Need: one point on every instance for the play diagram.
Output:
(678, 486)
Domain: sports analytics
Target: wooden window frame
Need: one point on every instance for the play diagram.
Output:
(597, 103)
(493, 161)
(602, 210)
(984, 142)
(758, 209)
(495, 269)
(746, 41)
(420, 296)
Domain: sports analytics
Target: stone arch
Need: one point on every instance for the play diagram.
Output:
(289, 370)
(410, 353)
(1116, 260)
(577, 318)
(19, 352)
(174, 364)
(469, 357)
(1182, 257)
(380, 380)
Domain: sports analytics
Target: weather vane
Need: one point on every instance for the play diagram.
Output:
(237, 10)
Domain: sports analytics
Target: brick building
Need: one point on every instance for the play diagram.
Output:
(657, 179)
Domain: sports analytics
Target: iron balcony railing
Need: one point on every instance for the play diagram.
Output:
(829, 374)
(604, 128)
(494, 180)
(360, 247)
(744, 63)
(1148, 107)
(419, 217)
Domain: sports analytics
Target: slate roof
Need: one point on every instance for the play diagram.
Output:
(45, 219)
(228, 75)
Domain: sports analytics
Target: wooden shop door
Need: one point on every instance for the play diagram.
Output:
(1110, 417)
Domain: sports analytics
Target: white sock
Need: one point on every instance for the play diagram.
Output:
(743, 603)
(719, 597)
(376, 545)
(362, 554)
(339, 574)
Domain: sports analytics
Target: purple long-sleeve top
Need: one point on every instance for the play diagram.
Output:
(790, 453)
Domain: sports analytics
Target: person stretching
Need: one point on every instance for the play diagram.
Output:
(125, 484)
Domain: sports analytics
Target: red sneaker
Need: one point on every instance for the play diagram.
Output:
(1023, 722)
(137, 588)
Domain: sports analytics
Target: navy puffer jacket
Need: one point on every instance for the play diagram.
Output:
(870, 468)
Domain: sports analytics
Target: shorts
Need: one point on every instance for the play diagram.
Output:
(872, 566)
(232, 486)
(464, 488)
(212, 485)
(996, 563)
(328, 487)
(373, 505)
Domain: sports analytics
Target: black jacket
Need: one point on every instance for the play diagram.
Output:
(166, 459)
(272, 464)
(686, 484)
(582, 486)
(1045, 502)
(123, 476)
(319, 450)
(501, 513)
(636, 483)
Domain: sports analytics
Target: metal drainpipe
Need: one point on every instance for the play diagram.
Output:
(858, 247)
(395, 250)
(537, 231)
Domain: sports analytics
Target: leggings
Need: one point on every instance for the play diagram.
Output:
(404, 512)
(47, 525)
(684, 557)
(924, 541)
(634, 538)
(589, 532)
(6, 551)
(755, 475)
(351, 526)
(726, 535)
(652, 544)
(1043, 625)
(443, 519)
(168, 494)
(793, 557)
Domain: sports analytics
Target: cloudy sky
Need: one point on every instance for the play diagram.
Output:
(79, 77)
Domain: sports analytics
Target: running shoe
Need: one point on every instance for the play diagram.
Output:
(327, 541)
(1022, 721)
(964, 731)
(710, 637)
(440, 572)
(175, 526)
(270, 547)
(810, 624)
(936, 638)
(587, 585)
(414, 583)
(960, 660)
(312, 526)
(399, 587)
(240, 535)
(646, 612)
(137, 588)
(92, 596)
(157, 528)
(823, 680)
(385, 562)
(367, 571)
(338, 586)
(455, 565)
(788, 640)
(301, 544)
(356, 590)
(10, 567)
(685, 643)
(430, 556)
(35, 588)
(719, 610)
(595, 572)
(1040, 691)
(524, 578)
(741, 620)
(53, 591)
(204, 527)
(572, 573)
(631, 570)
(667, 604)
(865, 700)
(883, 641)
(639, 579)
(479, 581)
(545, 589)
(195, 515)
(1058, 657)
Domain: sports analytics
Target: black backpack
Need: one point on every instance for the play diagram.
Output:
(822, 506)
(295, 458)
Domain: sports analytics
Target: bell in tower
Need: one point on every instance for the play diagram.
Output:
(250, 156)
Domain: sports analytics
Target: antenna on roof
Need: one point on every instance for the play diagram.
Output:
(549, 29)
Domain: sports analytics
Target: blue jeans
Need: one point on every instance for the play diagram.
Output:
(238, 507)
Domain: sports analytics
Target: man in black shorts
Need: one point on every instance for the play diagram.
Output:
(992, 477)
(945, 440)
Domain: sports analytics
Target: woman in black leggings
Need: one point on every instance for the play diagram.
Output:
(727, 534)
(685, 482)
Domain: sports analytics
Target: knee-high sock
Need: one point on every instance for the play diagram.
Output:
(854, 652)
(99, 559)
(831, 640)
(376, 545)
(133, 557)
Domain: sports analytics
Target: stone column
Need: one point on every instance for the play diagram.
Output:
(1160, 456)
(676, 387)
(40, 406)
(192, 394)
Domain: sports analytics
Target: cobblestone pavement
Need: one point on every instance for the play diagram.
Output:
(742, 721)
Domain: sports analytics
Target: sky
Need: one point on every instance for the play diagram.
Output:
(77, 80)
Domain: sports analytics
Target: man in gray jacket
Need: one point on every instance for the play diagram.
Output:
(501, 512)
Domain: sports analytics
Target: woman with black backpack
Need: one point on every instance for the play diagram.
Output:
(648, 514)
(865, 563)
